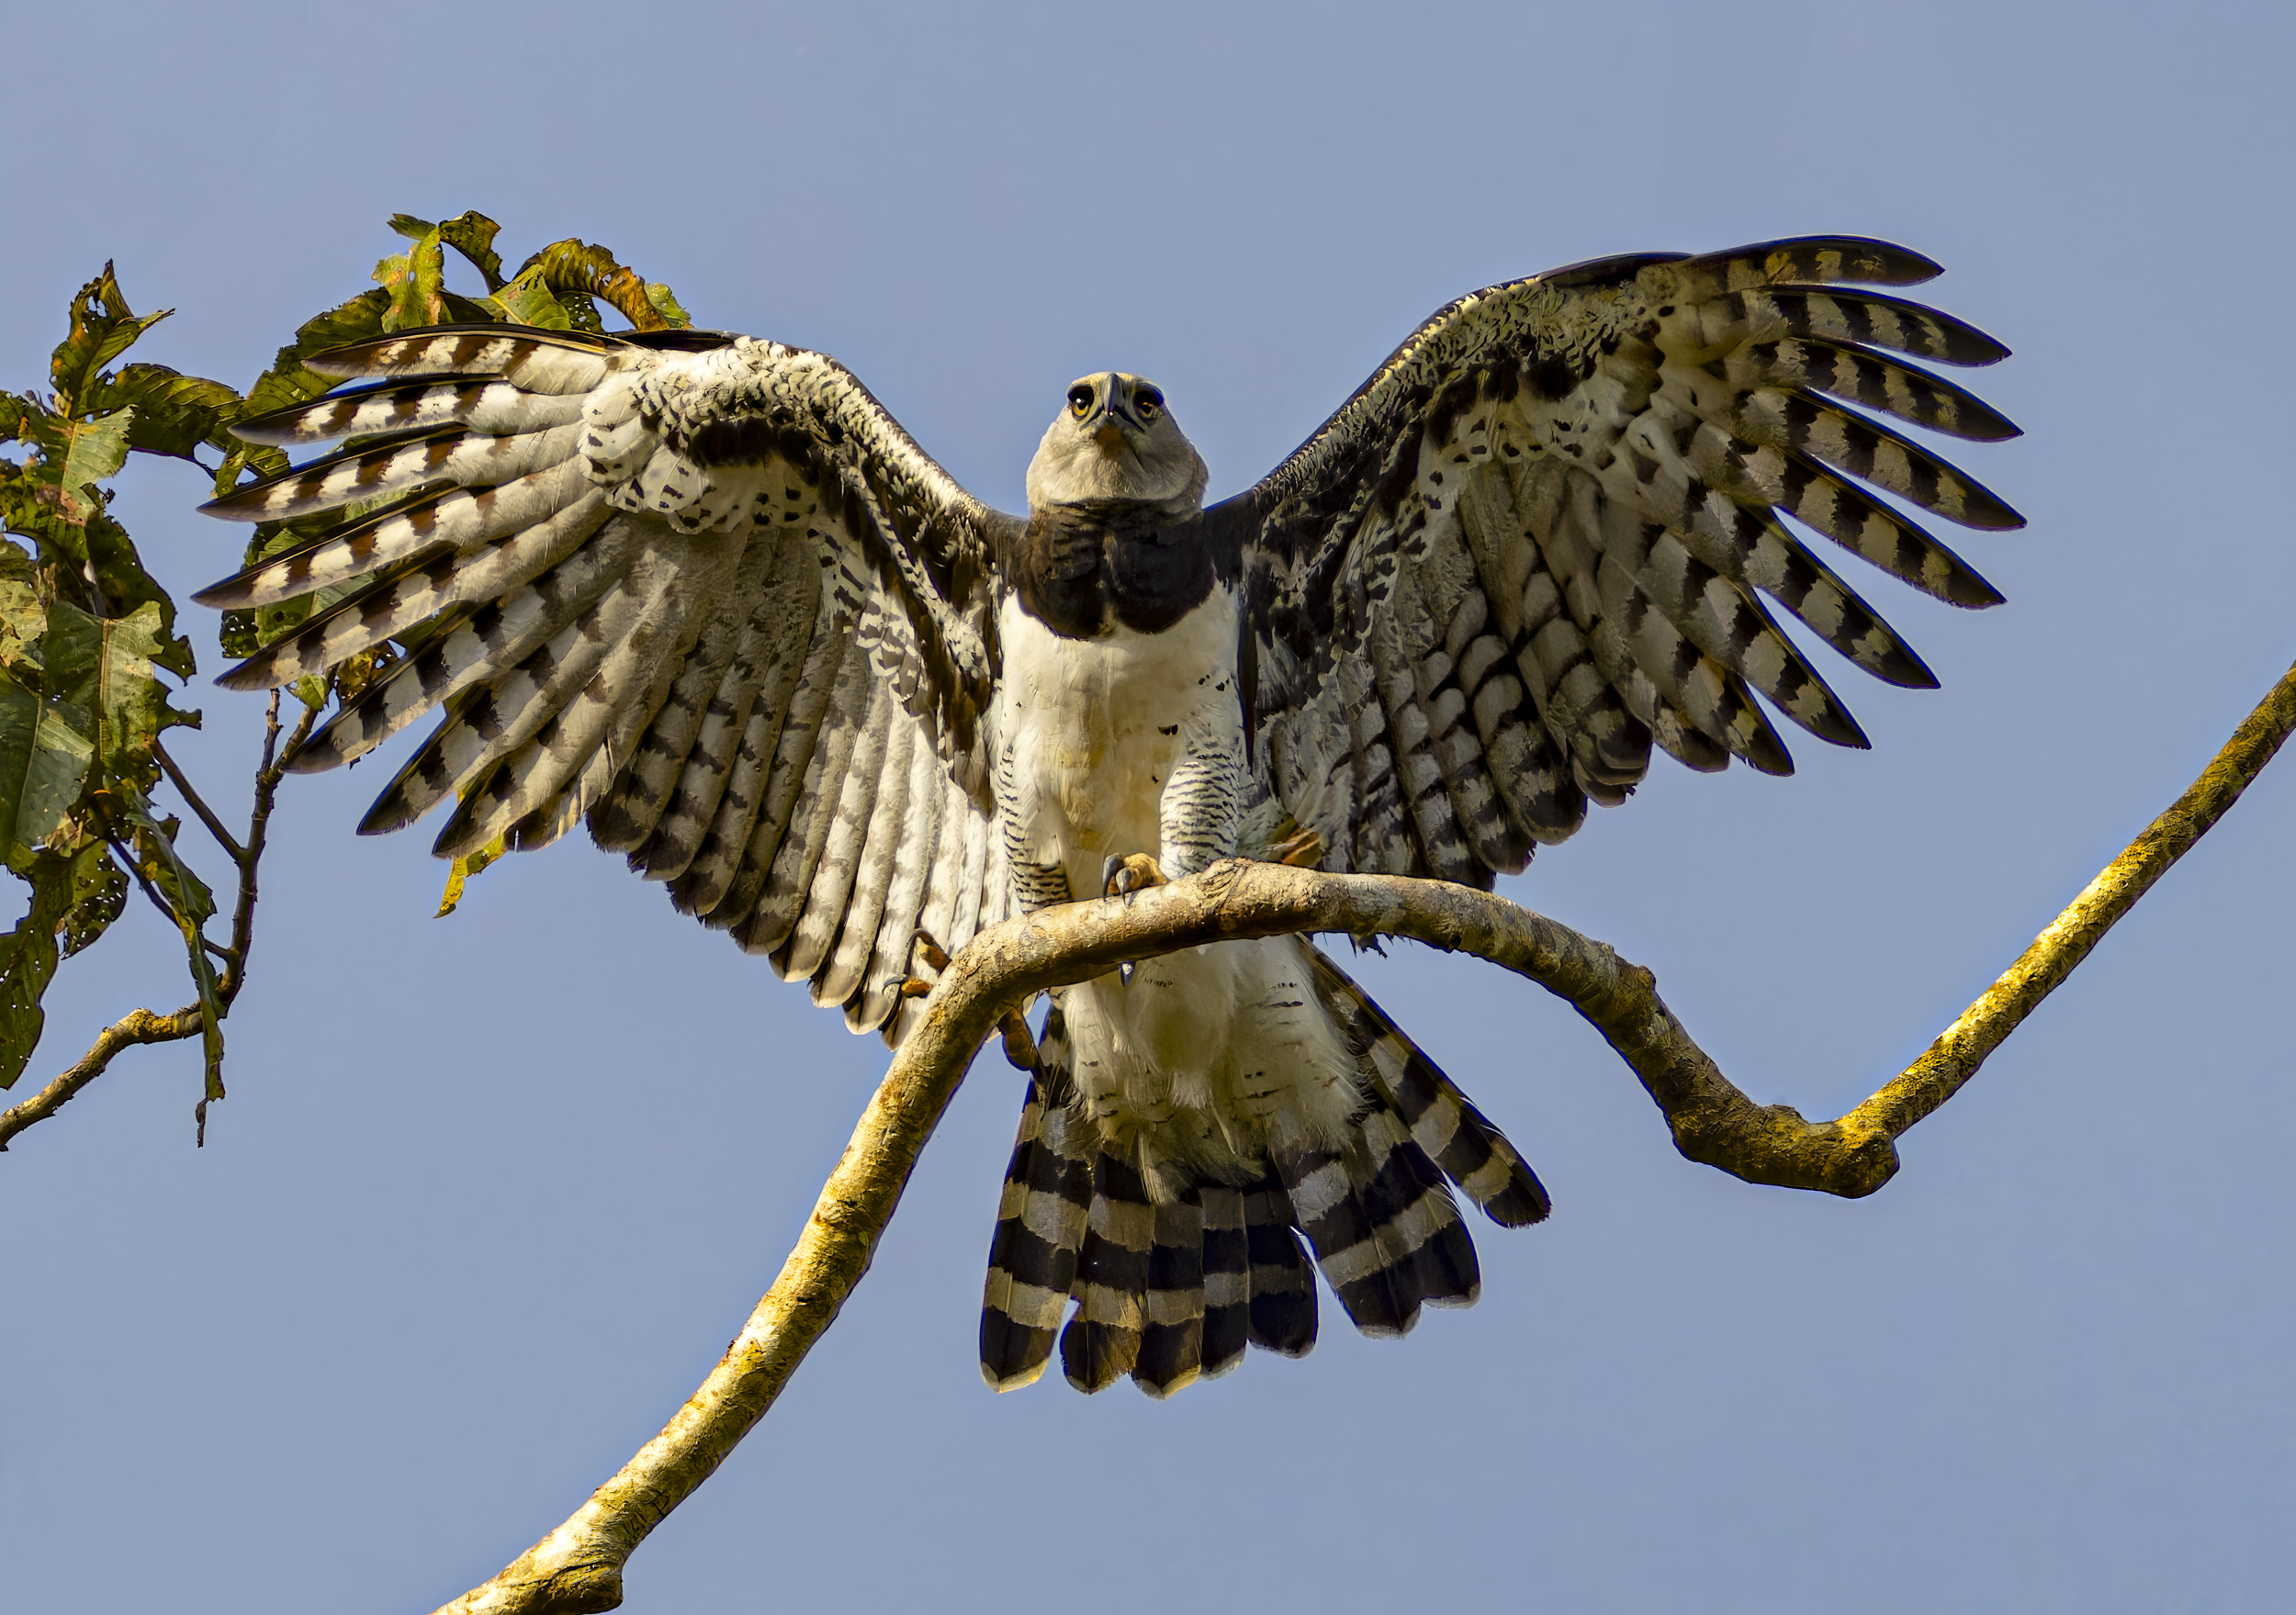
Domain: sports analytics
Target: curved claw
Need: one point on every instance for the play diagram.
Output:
(1120, 877)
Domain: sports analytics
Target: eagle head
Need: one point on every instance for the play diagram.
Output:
(1116, 441)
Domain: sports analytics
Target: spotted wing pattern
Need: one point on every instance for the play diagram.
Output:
(703, 591)
(1540, 539)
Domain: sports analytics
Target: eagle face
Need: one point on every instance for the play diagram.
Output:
(1115, 442)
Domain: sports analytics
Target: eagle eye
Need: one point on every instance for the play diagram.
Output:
(1148, 400)
(1080, 399)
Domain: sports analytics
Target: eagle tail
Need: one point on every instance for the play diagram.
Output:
(1441, 1120)
(1170, 1287)
(1041, 1226)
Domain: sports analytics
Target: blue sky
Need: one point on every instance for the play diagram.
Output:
(490, 1193)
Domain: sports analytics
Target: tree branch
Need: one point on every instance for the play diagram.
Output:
(207, 815)
(141, 1026)
(138, 1025)
(578, 1567)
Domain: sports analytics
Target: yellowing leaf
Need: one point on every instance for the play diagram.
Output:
(415, 282)
(103, 327)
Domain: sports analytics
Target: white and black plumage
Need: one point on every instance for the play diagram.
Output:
(703, 591)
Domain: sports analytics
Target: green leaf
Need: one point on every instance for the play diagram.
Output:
(103, 667)
(472, 235)
(527, 302)
(45, 754)
(155, 856)
(579, 272)
(96, 450)
(666, 304)
(103, 327)
(99, 895)
(23, 620)
(416, 285)
(175, 413)
(27, 963)
(100, 548)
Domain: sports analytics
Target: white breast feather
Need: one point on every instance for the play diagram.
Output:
(1206, 1052)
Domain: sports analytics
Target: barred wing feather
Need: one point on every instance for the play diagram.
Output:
(1548, 536)
(699, 589)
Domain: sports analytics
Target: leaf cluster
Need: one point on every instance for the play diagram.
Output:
(86, 631)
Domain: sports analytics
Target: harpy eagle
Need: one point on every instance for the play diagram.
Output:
(703, 592)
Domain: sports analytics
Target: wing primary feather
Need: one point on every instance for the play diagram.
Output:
(1860, 375)
(446, 454)
(468, 647)
(491, 406)
(543, 362)
(424, 586)
(1866, 319)
(1805, 260)
(1849, 442)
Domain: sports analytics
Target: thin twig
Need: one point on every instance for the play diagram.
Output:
(207, 815)
(142, 1026)
(125, 853)
(268, 773)
(578, 1567)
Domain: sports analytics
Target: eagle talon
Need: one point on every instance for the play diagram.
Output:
(1302, 849)
(936, 958)
(1120, 877)
(1020, 1050)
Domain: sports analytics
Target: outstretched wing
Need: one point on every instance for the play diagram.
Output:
(1534, 543)
(700, 588)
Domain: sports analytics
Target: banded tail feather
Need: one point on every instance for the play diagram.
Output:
(1172, 1343)
(1032, 1255)
(1280, 1315)
(1469, 1151)
(1171, 1273)
(1102, 1341)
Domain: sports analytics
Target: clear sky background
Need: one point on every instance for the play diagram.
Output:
(490, 1193)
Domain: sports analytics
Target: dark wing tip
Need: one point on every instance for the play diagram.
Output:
(1969, 590)
(1822, 259)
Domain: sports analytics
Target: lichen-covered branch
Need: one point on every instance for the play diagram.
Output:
(142, 1026)
(578, 1565)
